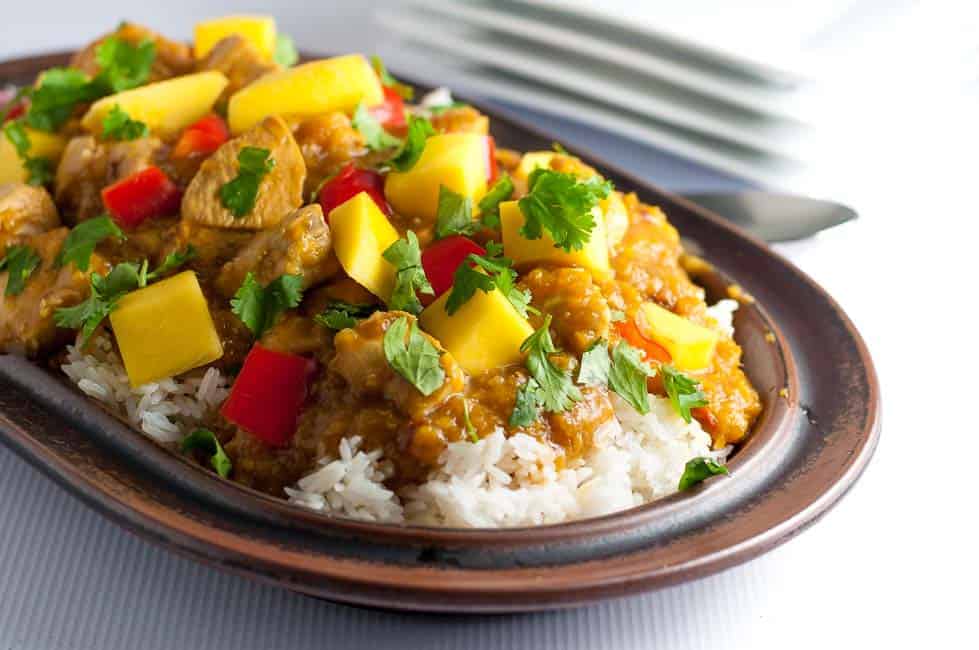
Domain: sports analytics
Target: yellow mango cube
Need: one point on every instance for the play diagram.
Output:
(43, 145)
(313, 88)
(165, 329)
(690, 345)
(258, 30)
(531, 161)
(616, 218)
(459, 161)
(485, 333)
(523, 251)
(166, 107)
(361, 234)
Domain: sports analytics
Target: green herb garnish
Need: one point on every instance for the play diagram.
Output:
(627, 376)
(419, 130)
(375, 137)
(684, 392)
(81, 241)
(258, 307)
(171, 262)
(117, 125)
(239, 194)
(340, 315)
(557, 391)
(698, 469)
(403, 89)
(102, 300)
(486, 273)
(562, 205)
(285, 53)
(489, 205)
(406, 257)
(595, 365)
(123, 65)
(526, 407)
(39, 170)
(19, 262)
(455, 214)
(208, 442)
(416, 359)
(470, 429)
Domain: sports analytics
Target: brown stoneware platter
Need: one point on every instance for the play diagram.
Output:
(817, 432)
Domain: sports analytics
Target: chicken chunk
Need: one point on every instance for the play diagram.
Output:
(25, 211)
(300, 245)
(280, 192)
(87, 166)
(239, 61)
(360, 361)
(27, 319)
(327, 142)
(580, 310)
(172, 59)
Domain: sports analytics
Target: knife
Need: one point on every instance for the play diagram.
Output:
(775, 217)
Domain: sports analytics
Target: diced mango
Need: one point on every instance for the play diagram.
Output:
(459, 161)
(361, 234)
(531, 161)
(259, 30)
(485, 333)
(313, 88)
(690, 345)
(166, 107)
(616, 218)
(594, 255)
(43, 145)
(165, 329)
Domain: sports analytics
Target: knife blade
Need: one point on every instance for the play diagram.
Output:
(775, 217)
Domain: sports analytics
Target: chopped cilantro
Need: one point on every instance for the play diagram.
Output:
(340, 315)
(117, 125)
(171, 262)
(375, 137)
(698, 469)
(526, 407)
(595, 364)
(406, 257)
(81, 241)
(415, 359)
(561, 204)
(489, 205)
(39, 170)
(455, 214)
(485, 273)
(627, 376)
(208, 442)
(123, 65)
(470, 429)
(258, 307)
(403, 89)
(285, 53)
(419, 130)
(102, 300)
(58, 92)
(684, 392)
(19, 262)
(239, 194)
(557, 391)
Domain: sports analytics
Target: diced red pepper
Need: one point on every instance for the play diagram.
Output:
(492, 169)
(268, 394)
(442, 258)
(391, 112)
(202, 138)
(144, 195)
(350, 182)
(706, 418)
(651, 350)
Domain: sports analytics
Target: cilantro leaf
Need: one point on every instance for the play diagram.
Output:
(18, 137)
(123, 65)
(489, 205)
(58, 92)
(595, 365)
(561, 204)
(81, 241)
(258, 307)
(485, 273)
(208, 442)
(103, 298)
(410, 279)
(416, 359)
(239, 194)
(39, 170)
(19, 262)
(172, 261)
(375, 137)
(285, 51)
(419, 130)
(340, 315)
(698, 469)
(455, 214)
(526, 407)
(117, 125)
(470, 429)
(627, 376)
(684, 392)
(557, 391)
(403, 89)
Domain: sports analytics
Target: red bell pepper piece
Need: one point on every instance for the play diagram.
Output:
(442, 258)
(144, 195)
(651, 350)
(706, 418)
(391, 112)
(492, 169)
(268, 394)
(202, 138)
(350, 182)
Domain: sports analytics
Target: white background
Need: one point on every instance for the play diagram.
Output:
(894, 564)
